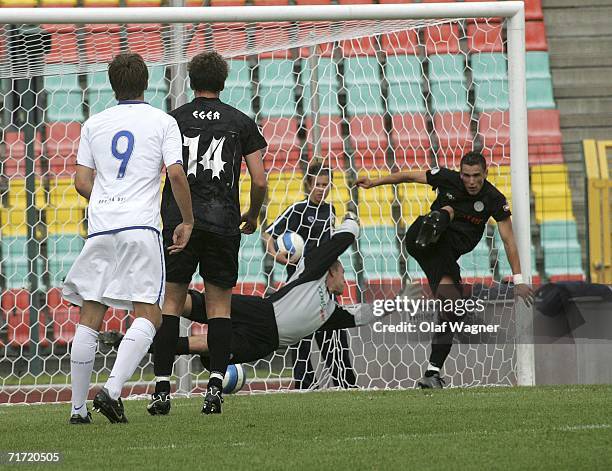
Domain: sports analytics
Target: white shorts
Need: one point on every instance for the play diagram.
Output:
(117, 269)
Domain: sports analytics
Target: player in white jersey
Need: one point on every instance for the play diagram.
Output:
(121, 154)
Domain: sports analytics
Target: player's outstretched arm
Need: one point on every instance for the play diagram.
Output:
(180, 190)
(507, 236)
(418, 176)
(84, 181)
(259, 186)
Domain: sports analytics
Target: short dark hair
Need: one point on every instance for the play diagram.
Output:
(316, 168)
(128, 75)
(208, 72)
(473, 158)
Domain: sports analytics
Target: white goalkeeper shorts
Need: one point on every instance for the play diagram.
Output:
(117, 269)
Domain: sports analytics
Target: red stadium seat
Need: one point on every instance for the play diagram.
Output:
(494, 132)
(313, 2)
(454, 137)
(146, 40)
(402, 42)
(533, 10)
(102, 42)
(16, 306)
(62, 144)
(442, 39)
(411, 140)
(365, 46)
(269, 35)
(229, 37)
(63, 44)
(198, 329)
(251, 289)
(355, 2)
(545, 141)
(283, 143)
(394, 1)
(65, 321)
(15, 150)
(263, 3)
(484, 37)
(369, 141)
(535, 36)
(330, 131)
(227, 3)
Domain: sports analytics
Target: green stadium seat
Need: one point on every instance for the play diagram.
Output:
(362, 80)
(327, 87)
(447, 83)
(237, 91)
(380, 252)
(62, 252)
(100, 94)
(381, 266)
(405, 76)
(559, 232)
(562, 259)
(489, 73)
(250, 260)
(64, 97)
(15, 265)
(276, 87)
(415, 272)
(475, 264)
(539, 81)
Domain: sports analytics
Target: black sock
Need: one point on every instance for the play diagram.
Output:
(164, 350)
(182, 346)
(219, 341)
(441, 345)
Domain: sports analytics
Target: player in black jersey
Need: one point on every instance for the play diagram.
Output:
(216, 138)
(455, 225)
(313, 219)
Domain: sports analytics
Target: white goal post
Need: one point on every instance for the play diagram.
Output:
(431, 13)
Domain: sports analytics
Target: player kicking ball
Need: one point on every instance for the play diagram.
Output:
(119, 161)
(454, 226)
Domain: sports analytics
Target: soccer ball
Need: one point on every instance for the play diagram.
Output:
(234, 379)
(292, 243)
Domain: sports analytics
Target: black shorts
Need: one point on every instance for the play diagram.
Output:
(437, 260)
(217, 256)
(254, 331)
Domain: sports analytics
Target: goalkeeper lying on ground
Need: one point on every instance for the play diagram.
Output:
(306, 304)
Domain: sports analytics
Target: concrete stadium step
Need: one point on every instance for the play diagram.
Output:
(582, 82)
(581, 21)
(580, 52)
(580, 112)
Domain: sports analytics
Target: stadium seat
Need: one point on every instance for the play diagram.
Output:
(539, 81)
(369, 140)
(502, 265)
(375, 206)
(327, 87)
(379, 247)
(58, 3)
(146, 40)
(331, 141)
(475, 265)
(533, 10)
(268, 3)
(535, 36)
(489, 73)
(100, 94)
(545, 140)
(157, 91)
(268, 36)
(61, 147)
(552, 194)
(559, 232)
(64, 96)
(283, 143)
(143, 3)
(411, 140)
(447, 83)
(363, 46)
(484, 37)
(65, 317)
(416, 200)
(229, 37)
(63, 43)
(362, 79)
(237, 91)
(400, 42)
(454, 137)
(442, 39)
(101, 42)
(15, 150)
(276, 88)
(16, 306)
(405, 75)
(494, 133)
(62, 250)
(563, 261)
(250, 268)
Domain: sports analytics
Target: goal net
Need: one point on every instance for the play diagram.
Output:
(368, 96)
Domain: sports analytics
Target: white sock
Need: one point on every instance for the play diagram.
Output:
(433, 368)
(133, 348)
(82, 356)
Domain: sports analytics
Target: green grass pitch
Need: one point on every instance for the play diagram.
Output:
(563, 427)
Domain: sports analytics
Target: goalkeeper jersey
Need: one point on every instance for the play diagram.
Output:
(127, 145)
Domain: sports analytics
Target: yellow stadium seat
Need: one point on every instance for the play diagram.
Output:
(58, 3)
(13, 222)
(549, 174)
(19, 3)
